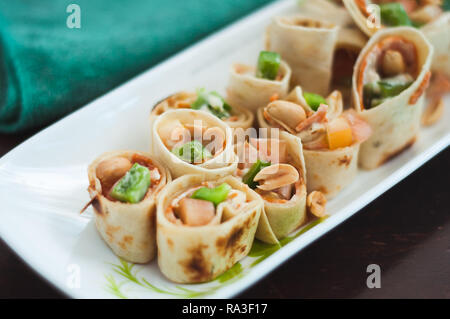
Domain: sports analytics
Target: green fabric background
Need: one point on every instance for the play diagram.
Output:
(48, 70)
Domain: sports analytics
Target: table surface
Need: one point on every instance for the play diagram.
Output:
(406, 232)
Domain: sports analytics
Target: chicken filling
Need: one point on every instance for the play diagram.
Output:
(205, 204)
(127, 180)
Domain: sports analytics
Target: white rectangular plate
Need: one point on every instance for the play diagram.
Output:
(43, 181)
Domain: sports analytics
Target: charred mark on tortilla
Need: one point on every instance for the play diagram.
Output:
(197, 266)
(230, 242)
(346, 160)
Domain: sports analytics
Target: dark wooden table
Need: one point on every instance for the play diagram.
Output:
(406, 231)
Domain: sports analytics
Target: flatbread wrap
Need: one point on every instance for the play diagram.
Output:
(390, 77)
(274, 167)
(234, 115)
(307, 45)
(331, 138)
(204, 227)
(192, 142)
(123, 186)
(245, 88)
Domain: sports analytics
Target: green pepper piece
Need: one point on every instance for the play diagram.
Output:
(215, 195)
(213, 102)
(391, 87)
(394, 14)
(132, 187)
(371, 91)
(446, 5)
(314, 100)
(252, 172)
(268, 65)
(192, 152)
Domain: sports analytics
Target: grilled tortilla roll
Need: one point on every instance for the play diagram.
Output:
(307, 45)
(331, 138)
(391, 75)
(192, 142)
(249, 91)
(237, 117)
(280, 182)
(198, 241)
(128, 228)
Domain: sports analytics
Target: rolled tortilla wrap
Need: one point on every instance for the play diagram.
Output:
(192, 254)
(281, 215)
(307, 45)
(223, 162)
(250, 92)
(239, 116)
(396, 121)
(128, 229)
(327, 170)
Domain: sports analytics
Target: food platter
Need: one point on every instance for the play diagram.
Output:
(43, 181)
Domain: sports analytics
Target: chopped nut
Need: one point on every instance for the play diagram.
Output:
(111, 170)
(276, 176)
(393, 63)
(217, 138)
(316, 202)
(286, 114)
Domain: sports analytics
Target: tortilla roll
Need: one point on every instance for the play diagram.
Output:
(192, 254)
(250, 92)
(282, 214)
(307, 45)
(221, 159)
(127, 228)
(328, 170)
(239, 117)
(395, 120)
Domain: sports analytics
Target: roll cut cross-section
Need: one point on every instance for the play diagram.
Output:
(204, 226)
(123, 186)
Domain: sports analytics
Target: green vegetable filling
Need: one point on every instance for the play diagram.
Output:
(215, 195)
(192, 152)
(212, 102)
(249, 178)
(268, 65)
(375, 93)
(133, 186)
(394, 14)
(314, 100)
